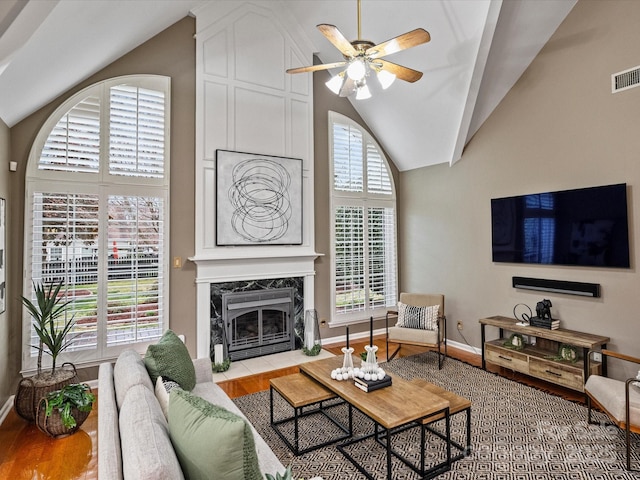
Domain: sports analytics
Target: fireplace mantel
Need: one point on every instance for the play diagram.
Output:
(248, 264)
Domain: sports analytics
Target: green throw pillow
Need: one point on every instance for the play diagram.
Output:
(211, 442)
(169, 358)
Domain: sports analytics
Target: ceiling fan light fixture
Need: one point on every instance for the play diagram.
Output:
(363, 92)
(385, 78)
(356, 70)
(335, 84)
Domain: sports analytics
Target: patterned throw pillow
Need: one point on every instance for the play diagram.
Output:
(163, 388)
(410, 316)
(170, 358)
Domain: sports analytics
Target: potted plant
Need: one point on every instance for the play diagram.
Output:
(61, 412)
(52, 327)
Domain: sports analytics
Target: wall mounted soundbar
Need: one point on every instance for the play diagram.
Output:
(558, 286)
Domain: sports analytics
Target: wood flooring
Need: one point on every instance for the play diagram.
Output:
(26, 453)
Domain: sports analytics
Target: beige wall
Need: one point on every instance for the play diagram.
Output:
(324, 101)
(8, 333)
(559, 128)
(170, 53)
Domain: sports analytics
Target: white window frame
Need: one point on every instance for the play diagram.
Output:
(104, 185)
(365, 200)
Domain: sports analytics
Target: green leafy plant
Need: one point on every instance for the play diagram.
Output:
(48, 321)
(221, 367)
(76, 395)
(287, 475)
(313, 351)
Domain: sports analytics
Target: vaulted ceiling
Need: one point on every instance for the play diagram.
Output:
(478, 50)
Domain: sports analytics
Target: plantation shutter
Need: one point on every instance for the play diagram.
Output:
(349, 259)
(100, 222)
(74, 142)
(382, 257)
(347, 159)
(136, 132)
(364, 229)
(134, 273)
(64, 247)
(377, 175)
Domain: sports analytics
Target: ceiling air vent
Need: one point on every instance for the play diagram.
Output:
(625, 80)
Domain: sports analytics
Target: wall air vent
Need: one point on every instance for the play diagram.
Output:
(625, 80)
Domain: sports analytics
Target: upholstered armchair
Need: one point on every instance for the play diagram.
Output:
(430, 332)
(618, 399)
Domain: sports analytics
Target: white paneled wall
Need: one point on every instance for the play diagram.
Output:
(246, 102)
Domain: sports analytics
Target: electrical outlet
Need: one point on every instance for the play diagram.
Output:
(597, 357)
(459, 325)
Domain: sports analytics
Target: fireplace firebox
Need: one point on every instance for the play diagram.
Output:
(258, 322)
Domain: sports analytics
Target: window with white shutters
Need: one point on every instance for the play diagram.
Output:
(98, 189)
(363, 224)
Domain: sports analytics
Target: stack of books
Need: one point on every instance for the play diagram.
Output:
(544, 323)
(371, 385)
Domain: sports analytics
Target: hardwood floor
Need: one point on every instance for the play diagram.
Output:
(26, 453)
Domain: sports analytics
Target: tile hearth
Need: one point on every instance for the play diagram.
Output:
(267, 363)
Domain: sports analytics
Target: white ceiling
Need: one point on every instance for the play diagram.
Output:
(478, 49)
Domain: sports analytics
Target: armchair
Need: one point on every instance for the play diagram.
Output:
(619, 400)
(432, 339)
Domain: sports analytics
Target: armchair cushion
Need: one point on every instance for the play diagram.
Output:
(609, 393)
(413, 336)
(424, 318)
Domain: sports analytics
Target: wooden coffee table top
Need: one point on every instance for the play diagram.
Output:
(300, 390)
(391, 407)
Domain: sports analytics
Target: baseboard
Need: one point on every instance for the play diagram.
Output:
(464, 346)
(6, 408)
(382, 331)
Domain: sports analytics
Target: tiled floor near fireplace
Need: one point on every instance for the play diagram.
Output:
(266, 363)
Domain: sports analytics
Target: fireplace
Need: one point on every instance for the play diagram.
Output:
(258, 322)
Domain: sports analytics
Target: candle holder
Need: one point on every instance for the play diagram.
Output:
(369, 369)
(221, 362)
(347, 370)
(312, 341)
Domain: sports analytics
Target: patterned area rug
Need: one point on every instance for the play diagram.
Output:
(517, 432)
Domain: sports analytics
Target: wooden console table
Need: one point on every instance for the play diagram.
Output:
(537, 360)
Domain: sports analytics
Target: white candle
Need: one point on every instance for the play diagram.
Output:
(218, 353)
(308, 340)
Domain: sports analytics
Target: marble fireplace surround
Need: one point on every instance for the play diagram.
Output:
(213, 272)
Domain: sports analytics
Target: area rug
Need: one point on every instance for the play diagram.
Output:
(517, 432)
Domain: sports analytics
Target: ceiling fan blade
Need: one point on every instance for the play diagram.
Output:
(401, 42)
(315, 68)
(403, 73)
(337, 39)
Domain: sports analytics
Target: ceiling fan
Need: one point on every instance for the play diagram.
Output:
(362, 57)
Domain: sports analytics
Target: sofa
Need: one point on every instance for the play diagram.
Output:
(134, 439)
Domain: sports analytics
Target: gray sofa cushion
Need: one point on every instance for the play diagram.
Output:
(147, 453)
(129, 371)
(110, 464)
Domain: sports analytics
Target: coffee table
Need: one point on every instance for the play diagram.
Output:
(301, 391)
(390, 408)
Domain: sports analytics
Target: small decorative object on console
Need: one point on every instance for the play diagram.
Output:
(515, 342)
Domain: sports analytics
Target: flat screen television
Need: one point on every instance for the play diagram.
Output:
(584, 227)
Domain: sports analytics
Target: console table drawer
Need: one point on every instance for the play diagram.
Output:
(507, 358)
(567, 375)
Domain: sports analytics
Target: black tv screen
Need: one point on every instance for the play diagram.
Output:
(585, 227)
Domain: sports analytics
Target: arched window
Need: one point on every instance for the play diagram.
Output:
(363, 233)
(97, 216)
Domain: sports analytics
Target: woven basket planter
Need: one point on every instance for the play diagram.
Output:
(32, 389)
(52, 425)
